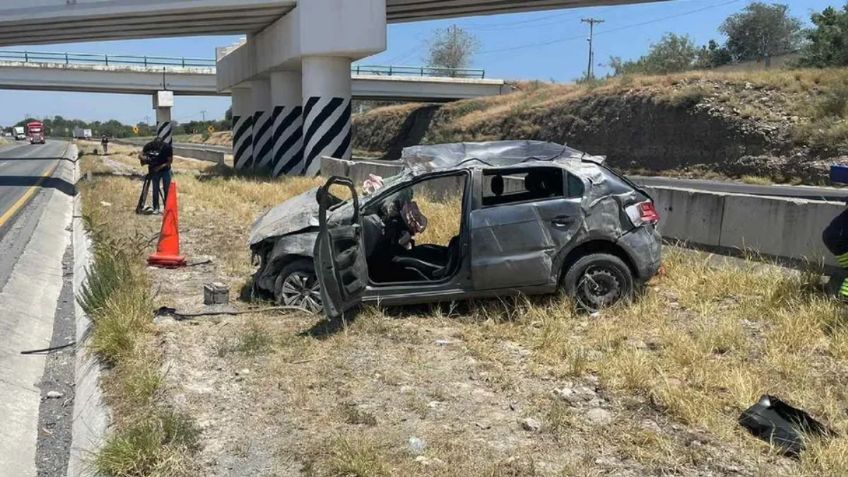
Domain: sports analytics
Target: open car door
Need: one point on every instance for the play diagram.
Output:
(339, 253)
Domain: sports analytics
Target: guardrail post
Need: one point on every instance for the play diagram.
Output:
(183, 62)
(422, 71)
(67, 60)
(483, 75)
(145, 61)
(107, 59)
(26, 57)
(390, 70)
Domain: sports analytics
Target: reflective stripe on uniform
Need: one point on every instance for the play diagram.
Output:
(844, 290)
(842, 260)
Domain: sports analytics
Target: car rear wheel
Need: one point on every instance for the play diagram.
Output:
(297, 285)
(598, 281)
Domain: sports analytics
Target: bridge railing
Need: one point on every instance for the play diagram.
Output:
(166, 62)
(390, 70)
(107, 60)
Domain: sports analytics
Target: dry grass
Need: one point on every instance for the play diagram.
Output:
(702, 344)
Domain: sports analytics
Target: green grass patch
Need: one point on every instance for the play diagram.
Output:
(146, 440)
(153, 446)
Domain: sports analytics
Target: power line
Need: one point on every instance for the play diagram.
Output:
(520, 22)
(535, 23)
(611, 30)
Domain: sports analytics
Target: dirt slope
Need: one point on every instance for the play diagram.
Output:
(787, 125)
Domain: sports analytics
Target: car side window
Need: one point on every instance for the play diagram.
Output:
(574, 187)
(507, 186)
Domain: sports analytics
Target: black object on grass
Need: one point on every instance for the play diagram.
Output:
(782, 425)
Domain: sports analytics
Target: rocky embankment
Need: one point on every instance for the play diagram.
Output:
(787, 126)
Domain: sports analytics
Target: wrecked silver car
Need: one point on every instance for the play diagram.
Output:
(469, 220)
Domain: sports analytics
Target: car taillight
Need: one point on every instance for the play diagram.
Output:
(648, 213)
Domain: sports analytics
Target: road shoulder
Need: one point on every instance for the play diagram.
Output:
(30, 295)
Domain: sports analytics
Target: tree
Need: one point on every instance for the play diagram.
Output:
(827, 42)
(451, 48)
(761, 31)
(712, 55)
(672, 54)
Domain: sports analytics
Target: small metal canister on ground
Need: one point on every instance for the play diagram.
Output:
(216, 294)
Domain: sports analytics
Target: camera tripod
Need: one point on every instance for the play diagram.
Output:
(142, 199)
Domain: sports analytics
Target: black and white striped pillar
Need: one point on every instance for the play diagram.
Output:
(288, 141)
(165, 131)
(288, 123)
(263, 127)
(326, 111)
(242, 128)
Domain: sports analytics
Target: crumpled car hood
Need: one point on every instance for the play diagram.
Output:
(296, 214)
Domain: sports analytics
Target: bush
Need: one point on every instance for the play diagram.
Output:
(149, 447)
(833, 104)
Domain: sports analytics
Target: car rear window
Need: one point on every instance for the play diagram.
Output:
(506, 186)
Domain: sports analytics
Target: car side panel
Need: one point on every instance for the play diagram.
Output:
(644, 246)
(514, 245)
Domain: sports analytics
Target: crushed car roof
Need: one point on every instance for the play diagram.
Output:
(422, 159)
(300, 212)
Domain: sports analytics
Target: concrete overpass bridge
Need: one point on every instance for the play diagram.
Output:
(42, 71)
(290, 80)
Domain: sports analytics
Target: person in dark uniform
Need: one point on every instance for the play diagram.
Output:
(104, 141)
(835, 238)
(158, 155)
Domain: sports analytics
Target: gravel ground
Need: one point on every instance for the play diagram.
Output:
(57, 384)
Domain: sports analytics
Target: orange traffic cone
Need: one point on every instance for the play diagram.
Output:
(168, 251)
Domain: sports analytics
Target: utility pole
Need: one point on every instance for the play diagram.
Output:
(204, 115)
(592, 22)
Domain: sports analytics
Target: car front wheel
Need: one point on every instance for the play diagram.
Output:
(598, 281)
(297, 285)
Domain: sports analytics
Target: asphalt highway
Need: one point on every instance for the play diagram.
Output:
(24, 168)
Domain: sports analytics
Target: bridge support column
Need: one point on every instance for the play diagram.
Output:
(163, 101)
(263, 130)
(242, 127)
(326, 110)
(287, 117)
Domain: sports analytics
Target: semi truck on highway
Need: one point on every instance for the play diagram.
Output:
(35, 132)
(19, 133)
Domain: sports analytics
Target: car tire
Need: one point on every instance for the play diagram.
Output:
(297, 285)
(597, 281)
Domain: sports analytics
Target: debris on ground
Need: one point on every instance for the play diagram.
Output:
(782, 425)
(216, 293)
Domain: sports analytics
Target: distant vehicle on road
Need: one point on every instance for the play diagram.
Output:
(20, 133)
(35, 132)
(80, 133)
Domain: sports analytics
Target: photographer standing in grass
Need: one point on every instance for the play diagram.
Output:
(158, 156)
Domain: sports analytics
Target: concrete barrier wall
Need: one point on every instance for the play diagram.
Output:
(773, 226)
(201, 153)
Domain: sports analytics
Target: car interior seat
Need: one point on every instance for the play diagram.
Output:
(430, 262)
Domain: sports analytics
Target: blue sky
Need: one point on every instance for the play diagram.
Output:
(545, 45)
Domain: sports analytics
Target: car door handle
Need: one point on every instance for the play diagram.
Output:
(563, 221)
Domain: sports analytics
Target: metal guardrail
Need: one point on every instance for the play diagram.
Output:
(107, 60)
(418, 71)
(163, 61)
